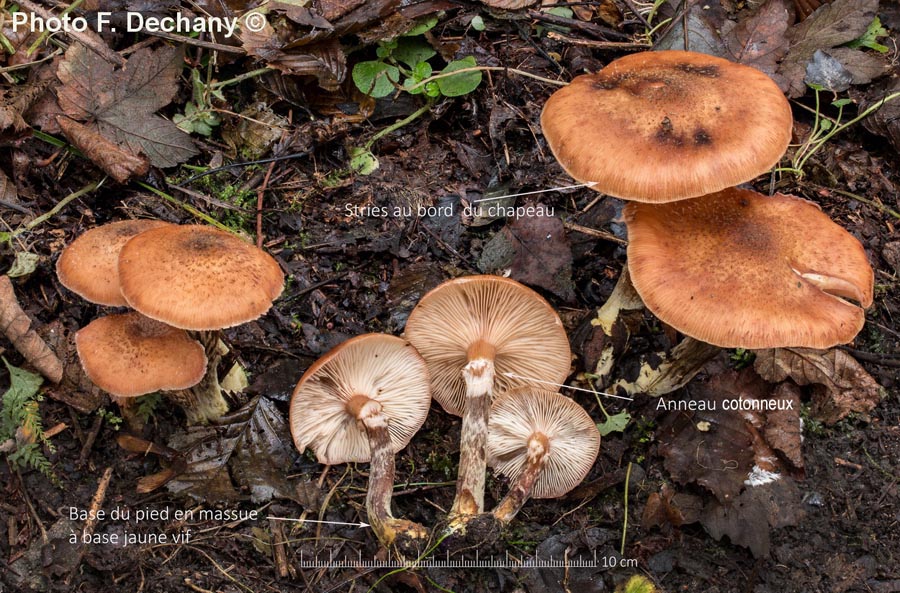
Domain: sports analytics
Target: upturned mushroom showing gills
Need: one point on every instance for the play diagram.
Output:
(199, 278)
(660, 126)
(543, 442)
(480, 335)
(740, 269)
(363, 401)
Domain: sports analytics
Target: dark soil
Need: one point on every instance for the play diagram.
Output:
(353, 274)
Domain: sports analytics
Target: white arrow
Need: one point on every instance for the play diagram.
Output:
(325, 522)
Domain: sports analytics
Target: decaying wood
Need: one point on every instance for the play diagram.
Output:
(16, 325)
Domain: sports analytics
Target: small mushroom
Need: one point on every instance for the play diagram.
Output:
(202, 279)
(660, 126)
(740, 269)
(543, 442)
(363, 401)
(129, 355)
(89, 265)
(480, 335)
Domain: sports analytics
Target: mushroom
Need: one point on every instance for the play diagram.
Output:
(363, 401)
(668, 125)
(129, 355)
(739, 269)
(543, 442)
(202, 279)
(88, 266)
(478, 335)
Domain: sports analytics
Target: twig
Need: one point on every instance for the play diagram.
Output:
(597, 44)
(59, 206)
(260, 193)
(859, 198)
(89, 39)
(170, 198)
(594, 233)
(89, 442)
(16, 325)
(91, 523)
(625, 519)
(191, 41)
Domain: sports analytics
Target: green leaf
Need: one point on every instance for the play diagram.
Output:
(561, 11)
(385, 48)
(841, 102)
(614, 423)
(460, 84)
(870, 37)
(413, 51)
(477, 22)
(375, 78)
(24, 264)
(423, 26)
(363, 161)
(23, 389)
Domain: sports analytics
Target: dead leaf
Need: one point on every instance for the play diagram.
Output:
(721, 458)
(749, 519)
(121, 104)
(250, 452)
(833, 24)
(863, 66)
(8, 191)
(760, 40)
(705, 24)
(827, 72)
(16, 325)
(841, 384)
(783, 429)
(536, 251)
(323, 59)
(119, 164)
(16, 101)
(886, 121)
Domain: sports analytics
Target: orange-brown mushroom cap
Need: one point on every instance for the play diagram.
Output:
(526, 334)
(89, 265)
(739, 269)
(380, 367)
(570, 437)
(197, 277)
(668, 125)
(130, 355)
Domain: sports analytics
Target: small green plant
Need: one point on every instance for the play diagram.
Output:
(824, 128)
(111, 418)
(199, 116)
(612, 423)
(742, 358)
(146, 406)
(20, 422)
(870, 38)
(408, 57)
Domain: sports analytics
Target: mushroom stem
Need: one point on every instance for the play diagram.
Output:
(479, 376)
(204, 402)
(538, 448)
(381, 475)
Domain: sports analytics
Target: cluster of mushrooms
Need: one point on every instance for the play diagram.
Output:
(478, 345)
(184, 284)
(674, 132)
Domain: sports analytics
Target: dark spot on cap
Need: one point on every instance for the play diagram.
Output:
(666, 133)
(609, 82)
(203, 242)
(743, 203)
(708, 71)
(701, 137)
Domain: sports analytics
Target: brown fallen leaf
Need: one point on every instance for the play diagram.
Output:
(16, 101)
(832, 25)
(121, 104)
(119, 164)
(323, 59)
(760, 40)
(75, 389)
(536, 251)
(16, 325)
(840, 384)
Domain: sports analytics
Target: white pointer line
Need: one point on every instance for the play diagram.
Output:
(538, 191)
(515, 376)
(314, 521)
